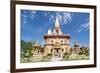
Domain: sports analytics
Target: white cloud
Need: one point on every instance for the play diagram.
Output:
(67, 17)
(39, 30)
(79, 30)
(64, 17)
(24, 21)
(32, 14)
(51, 17)
(46, 14)
(84, 26)
(24, 11)
(24, 18)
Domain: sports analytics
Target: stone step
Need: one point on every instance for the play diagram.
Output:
(56, 58)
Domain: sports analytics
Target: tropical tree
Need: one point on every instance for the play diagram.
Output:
(26, 49)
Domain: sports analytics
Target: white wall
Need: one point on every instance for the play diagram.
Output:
(5, 36)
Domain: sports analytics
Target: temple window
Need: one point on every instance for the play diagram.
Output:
(57, 51)
(62, 49)
(52, 41)
(57, 31)
(51, 50)
(61, 41)
(66, 41)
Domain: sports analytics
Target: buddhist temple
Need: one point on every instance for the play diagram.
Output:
(57, 43)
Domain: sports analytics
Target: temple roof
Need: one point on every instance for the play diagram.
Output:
(36, 44)
(56, 36)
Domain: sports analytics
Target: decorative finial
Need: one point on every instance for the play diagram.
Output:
(49, 31)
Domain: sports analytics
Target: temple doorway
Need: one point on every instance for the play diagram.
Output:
(56, 54)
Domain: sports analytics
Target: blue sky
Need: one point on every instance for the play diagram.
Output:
(35, 24)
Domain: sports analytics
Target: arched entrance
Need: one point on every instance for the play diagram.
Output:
(56, 54)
